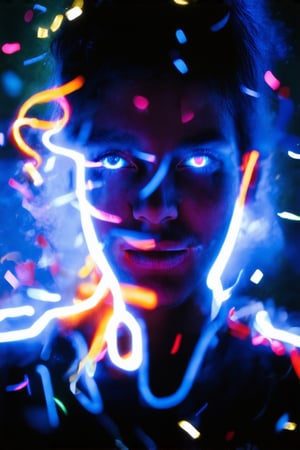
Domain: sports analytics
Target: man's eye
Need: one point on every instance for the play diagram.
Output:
(205, 163)
(114, 162)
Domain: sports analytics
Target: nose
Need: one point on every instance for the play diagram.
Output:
(158, 206)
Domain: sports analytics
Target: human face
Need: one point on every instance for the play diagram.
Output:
(170, 172)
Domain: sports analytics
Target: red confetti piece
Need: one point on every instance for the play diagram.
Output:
(237, 329)
(295, 360)
(42, 241)
(176, 344)
(284, 92)
(229, 435)
(55, 267)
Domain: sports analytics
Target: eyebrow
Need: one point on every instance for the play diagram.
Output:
(209, 137)
(127, 140)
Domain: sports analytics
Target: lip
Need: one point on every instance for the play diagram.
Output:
(158, 259)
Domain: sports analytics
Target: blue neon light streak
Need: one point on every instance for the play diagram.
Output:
(194, 364)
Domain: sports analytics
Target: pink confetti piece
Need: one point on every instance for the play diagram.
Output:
(28, 16)
(140, 102)
(11, 47)
(271, 80)
(22, 188)
(11, 279)
(187, 116)
(25, 272)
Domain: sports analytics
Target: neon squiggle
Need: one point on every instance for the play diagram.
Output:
(195, 362)
(213, 280)
(264, 326)
(95, 248)
(108, 281)
(49, 397)
(56, 94)
(289, 216)
(60, 312)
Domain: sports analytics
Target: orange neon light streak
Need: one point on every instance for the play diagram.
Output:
(139, 296)
(55, 94)
(98, 342)
(252, 158)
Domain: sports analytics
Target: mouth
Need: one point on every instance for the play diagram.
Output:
(156, 259)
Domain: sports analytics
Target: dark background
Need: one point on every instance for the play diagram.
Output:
(34, 77)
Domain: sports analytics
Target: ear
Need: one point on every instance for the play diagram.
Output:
(254, 177)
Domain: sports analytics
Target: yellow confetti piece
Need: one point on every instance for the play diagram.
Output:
(189, 428)
(87, 268)
(56, 23)
(42, 33)
(290, 426)
(181, 2)
(78, 3)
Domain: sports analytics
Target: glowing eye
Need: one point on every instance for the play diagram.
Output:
(114, 162)
(198, 161)
(203, 163)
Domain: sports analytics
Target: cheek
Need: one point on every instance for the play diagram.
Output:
(207, 204)
(110, 194)
(112, 197)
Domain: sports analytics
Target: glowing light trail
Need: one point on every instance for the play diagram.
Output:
(214, 276)
(18, 386)
(156, 179)
(49, 397)
(264, 326)
(56, 94)
(193, 367)
(221, 23)
(25, 310)
(120, 314)
(41, 322)
(293, 155)
(289, 216)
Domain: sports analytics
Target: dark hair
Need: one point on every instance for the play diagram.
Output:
(120, 39)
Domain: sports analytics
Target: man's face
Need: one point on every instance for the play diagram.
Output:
(168, 167)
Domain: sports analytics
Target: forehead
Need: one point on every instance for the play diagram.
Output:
(162, 110)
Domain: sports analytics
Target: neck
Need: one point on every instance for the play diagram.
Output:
(172, 334)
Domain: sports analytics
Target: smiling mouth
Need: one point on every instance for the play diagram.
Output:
(156, 259)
